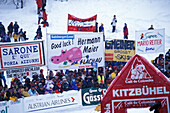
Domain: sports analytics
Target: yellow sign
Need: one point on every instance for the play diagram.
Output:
(119, 50)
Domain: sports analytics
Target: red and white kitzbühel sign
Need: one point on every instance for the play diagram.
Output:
(138, 85)
(81, 25)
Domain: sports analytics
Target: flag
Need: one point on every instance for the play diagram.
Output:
(81, 25)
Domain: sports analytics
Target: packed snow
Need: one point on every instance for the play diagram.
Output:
(138, 14)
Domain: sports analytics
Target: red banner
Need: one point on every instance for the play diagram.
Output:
(81, 25)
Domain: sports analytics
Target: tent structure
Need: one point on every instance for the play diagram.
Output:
(139, 85)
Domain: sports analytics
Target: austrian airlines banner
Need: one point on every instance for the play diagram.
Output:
(81, 25)
(15, 55)
(75, 51)
(150, 41)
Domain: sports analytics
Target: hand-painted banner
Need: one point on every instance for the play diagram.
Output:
(81, 25)
(15, 55)
(76, 51)
(119, 50)
(150, 41)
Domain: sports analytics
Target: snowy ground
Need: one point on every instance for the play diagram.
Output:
(138, 14)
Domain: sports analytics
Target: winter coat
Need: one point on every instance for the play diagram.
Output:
(75, 85)
(24, 93)
(39, 3)
(2, 28)
(33, 93)
(101, 29)
(65, 86)
(16, 27)
(44, 15)
(125, 30)
(114, 21)
(39, 31)
(41, 91)
(10, 28)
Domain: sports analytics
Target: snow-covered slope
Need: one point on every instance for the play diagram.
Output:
(138, 14)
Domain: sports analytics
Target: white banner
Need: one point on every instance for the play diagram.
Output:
(19, 72)
(14, 55)
(150, 41)
(68, 51)
(51, 101)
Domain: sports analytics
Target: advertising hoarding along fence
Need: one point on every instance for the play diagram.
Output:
(150, 41)
(81, 25)
(15, 55)
(119, 50)
(92, 96)
(68, 51)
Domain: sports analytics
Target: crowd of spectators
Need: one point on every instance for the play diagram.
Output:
(59, 82)
(159, 63)
(12, 31)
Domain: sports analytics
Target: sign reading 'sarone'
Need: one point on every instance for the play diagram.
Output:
(16, 55)
(75, 51)
(119, 50)
(138, 85)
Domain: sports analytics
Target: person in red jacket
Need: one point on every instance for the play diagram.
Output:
(45, 18)
(125, 31)
(39, 5)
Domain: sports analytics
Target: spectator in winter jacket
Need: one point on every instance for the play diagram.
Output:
(39, 31)
(16, 37)
(57, 88)
(65, 85)
(125, 31)
(101, 28)
(2, 29)
(33, 91)
(41, 89)
(40, 16)
(37, 36)
(96, 27)
(10, 95)
(10, 28)
(113, 23)
(43, 4)
(45, 18)
(21, 35)
(25, 36)
(2, 77)
(39, 5)
(75, 84)
(151, 28)
(19, 94)
(16, 27)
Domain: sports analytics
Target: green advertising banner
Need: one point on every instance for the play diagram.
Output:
(92, 96)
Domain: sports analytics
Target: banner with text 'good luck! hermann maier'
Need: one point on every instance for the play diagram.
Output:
(75, 51)
(81, 25)
(150, 41)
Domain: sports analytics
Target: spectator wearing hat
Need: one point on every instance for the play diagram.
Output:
(41, 90)
(32, 91)
(39, 5)
(125, 31)
(11, 28)
(49, 85)
(57, 88)
(101, 79)
(24, 91)
(87, 83)
(19, 94)
(113, 23)
(75, 84)
(16, 27)
(101, 28)
(65, 85)
(10, 95)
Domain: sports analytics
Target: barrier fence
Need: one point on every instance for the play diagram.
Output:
(89, 96)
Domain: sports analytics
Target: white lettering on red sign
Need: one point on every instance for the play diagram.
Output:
(140, 91)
